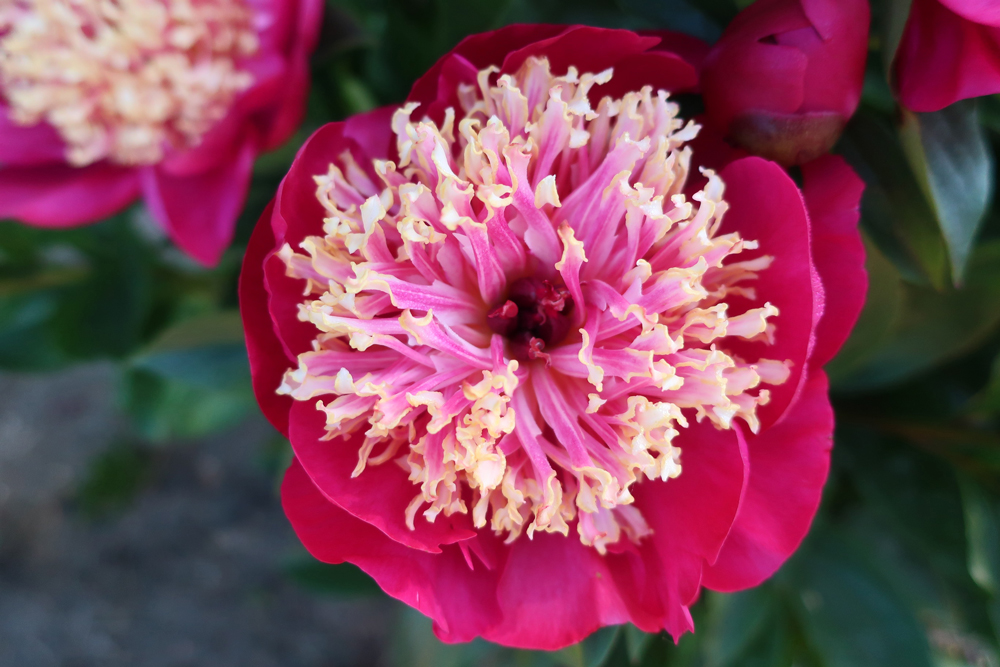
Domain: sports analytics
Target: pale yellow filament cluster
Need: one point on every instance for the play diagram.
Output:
(124, 80)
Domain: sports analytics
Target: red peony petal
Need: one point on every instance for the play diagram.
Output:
(575, 47)
(199, 211)
(460, 597)
(691, 49)
(482, 50)
(690, 517)
(33, 145)
(268, 362)
(833, 195)
(660, 69)
(298, 214)
(283, 122)
(58, 195)
(766, 206)
(788, 467)
(379, 496)
(553, 592)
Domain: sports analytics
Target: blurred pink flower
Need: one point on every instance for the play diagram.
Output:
(787, 75)
(168, 99)
(540, 373)
(950, 51)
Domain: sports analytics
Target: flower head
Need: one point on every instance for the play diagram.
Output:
(123, 80)
(171, 99)
(528, 304)
(542, 370)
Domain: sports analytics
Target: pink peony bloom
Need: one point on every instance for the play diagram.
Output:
(169, 99)
(787, 75)
(950, 51)
(542, 371)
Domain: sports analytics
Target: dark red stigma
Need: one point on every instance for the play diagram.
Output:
(535, 315)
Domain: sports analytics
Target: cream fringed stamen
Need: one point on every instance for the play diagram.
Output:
(525, 311)
(124, 79)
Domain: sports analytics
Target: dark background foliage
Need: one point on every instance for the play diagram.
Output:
(902, 566)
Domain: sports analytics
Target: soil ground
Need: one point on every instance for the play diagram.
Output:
(189, 572)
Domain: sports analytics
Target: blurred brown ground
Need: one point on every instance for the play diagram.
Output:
(188, 573)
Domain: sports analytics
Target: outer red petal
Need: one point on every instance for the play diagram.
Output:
(553, 592)
(690, 517)
(62, 196)
(199, 211)
(379, 496)
(33, 145)
(833, 195)
(298, 214)
(268, 361)
(766, 206)
(691, 49)
(287, 117)
(944, 58)
(482, 50)
(575, 48)
(659, 69)
(788, 466)
(453, 588)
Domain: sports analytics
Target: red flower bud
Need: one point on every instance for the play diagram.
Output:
(787, 75)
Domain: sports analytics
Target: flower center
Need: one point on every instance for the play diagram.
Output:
(124, 80)
(526, 310)
(535, 315)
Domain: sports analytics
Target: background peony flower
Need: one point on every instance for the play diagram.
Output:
(950, 51)
(540, 374)
(787, 75)
(168, 99)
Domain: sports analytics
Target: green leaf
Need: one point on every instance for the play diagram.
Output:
(987, 401)
(849, 615)
(879, 317)
(113, 480)
(982, 530)
(105, 315)
(735, 622)
(162, 409)
(933, 327)
(953, 162)
(637, 643)
(593, 651)
(27, 339)
(206, 351)
(342, 580)
(895, 13)
(702, 19)
(894, 211)
(414, 645)
(911, 492)
(989, 112)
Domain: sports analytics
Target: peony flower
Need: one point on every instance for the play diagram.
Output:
(950, 51)
(541, 369)
(171, 99)
(787, 75)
